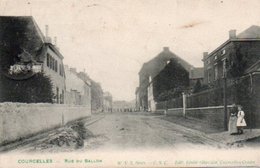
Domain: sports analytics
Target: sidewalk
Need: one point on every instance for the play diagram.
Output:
(211, 132)
(228, 139)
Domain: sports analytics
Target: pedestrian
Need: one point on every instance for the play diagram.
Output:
(232, 124)
(241, 123)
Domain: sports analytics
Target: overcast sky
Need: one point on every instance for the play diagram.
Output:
(112, 39)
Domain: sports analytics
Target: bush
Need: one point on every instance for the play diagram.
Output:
(36, 89)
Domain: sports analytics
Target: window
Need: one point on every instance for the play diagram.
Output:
(62, 97)
(56, 66)
(51, 62)
(223, 52)
(224, 67)
(57, 94)
(61, 70)
(48, 60)
(215, 56)
(209, 74)
(208, 61)
(216, 72)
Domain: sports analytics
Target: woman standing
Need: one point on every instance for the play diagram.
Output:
(232, 124)
(241, 123)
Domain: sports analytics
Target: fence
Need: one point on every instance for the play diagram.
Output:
(244, 91)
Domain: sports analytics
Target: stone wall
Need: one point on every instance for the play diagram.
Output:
(19, 120)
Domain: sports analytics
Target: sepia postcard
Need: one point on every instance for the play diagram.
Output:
(129, 83)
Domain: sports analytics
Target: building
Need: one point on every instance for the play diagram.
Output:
(25, 51)
(170, 83)
(149, 71)
(238, 61)
(196, 74)
(96, 97)
(124, 106)
(107, 102)
(234, 56)
(78, 88)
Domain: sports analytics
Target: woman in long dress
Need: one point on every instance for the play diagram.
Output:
(241, 123)
(232, 124)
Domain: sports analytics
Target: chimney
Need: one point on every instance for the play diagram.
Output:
(232, 34)
(46, 30)
(47, 38)
(205, 55)
(166, 49)
(55, 41)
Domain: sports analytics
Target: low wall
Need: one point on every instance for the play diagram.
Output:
(159, 112)
(175, 112)
(212, 115)
(18, 120)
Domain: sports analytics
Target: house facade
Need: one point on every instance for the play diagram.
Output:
(233, 57)
(78, 88)
(238, 61)
(53, 68)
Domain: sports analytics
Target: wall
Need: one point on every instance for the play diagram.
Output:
(211, 115)
(175, 112)
(18, 120)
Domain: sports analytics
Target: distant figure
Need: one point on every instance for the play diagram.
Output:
(241, 123)
(232, 124)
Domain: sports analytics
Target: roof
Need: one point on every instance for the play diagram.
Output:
(20, 36)
(252, 32)
(155, 65)
(197, 73)
(19, 33)
(55, 50)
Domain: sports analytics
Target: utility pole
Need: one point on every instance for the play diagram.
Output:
(225, 95)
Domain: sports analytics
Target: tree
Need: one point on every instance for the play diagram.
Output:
(96, 96)
(171, 81)
(198, 87)
(36, 89)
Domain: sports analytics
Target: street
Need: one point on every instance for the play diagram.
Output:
(120, 131)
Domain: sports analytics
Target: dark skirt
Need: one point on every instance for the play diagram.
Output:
(232, 125)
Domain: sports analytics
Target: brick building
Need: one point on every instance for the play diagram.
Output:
(237, 59)
(243, 48)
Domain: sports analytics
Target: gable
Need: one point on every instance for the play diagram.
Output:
(154, 66)
(19, 35)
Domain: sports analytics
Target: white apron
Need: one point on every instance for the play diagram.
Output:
(240, 119)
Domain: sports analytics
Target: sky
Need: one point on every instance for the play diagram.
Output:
(111, 39)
